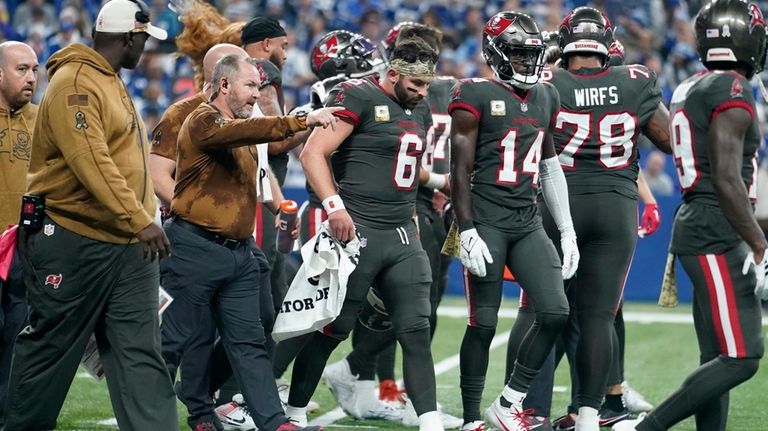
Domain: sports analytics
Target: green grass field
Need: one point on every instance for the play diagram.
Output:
(659, 356)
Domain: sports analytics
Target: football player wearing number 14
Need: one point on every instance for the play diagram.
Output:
(603, 109)
(715, 234)
(501, 146)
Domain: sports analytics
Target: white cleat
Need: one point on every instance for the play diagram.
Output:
(587, 424)
(234, 415)
(474, 426)
(628, 425)
(505, 418)
(633, 400)
(411, 419)
(357, 398)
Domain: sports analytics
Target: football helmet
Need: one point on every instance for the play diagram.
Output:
(343, 52)
(585, 30)
(514, 48)
(389, 42)
(731, 31)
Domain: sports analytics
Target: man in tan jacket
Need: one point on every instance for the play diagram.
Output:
(93, 266)
(18, 78)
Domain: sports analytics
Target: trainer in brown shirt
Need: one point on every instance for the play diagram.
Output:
(216, 166)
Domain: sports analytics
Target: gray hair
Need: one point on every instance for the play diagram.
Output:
(227, 67)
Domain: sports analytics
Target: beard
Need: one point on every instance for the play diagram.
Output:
(239, 111)
(404, 97)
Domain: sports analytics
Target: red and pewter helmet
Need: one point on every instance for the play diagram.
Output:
(343, 52)
(513, 39)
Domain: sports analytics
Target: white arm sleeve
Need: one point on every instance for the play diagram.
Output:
(555, 191)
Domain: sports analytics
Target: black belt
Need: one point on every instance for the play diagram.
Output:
(221, 240)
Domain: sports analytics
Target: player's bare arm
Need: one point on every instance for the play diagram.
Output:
(315, 158)
(657, 129)
(725, 147)
(463, 143)
(269, 106)
(161, 169)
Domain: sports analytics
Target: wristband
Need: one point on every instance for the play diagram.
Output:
(332, 204)
(436, 181)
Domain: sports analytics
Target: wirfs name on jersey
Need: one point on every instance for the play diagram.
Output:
(596, 96)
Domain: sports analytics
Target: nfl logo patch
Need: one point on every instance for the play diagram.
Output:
(524, 107)
(48, 229)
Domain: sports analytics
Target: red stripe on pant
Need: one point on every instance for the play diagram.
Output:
(259, 228)
(725, 319)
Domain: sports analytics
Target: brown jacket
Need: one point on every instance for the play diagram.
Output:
(166, 132)
(216, 168)
(15, 146)
(90, 152)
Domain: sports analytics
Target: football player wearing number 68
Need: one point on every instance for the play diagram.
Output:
(501, 148)
(603, 109)
(376, 150)
(715, 234)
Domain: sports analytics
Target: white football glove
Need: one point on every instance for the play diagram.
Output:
(474, 253)
(570, 253)
(761, 274)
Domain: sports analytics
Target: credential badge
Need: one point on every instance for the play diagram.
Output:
(498, 108)
(381, 112)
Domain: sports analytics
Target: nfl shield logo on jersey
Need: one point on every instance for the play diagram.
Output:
(381, 112)
(498, 108)
(524, 107)
(48, 229)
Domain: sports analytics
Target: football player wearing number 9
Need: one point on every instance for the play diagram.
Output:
(501, 139)
(715, 234)
(376, 153)
(603, 109)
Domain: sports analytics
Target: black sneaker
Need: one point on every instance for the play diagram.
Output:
(609, 416)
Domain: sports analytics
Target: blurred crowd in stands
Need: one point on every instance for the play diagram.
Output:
(657, 33)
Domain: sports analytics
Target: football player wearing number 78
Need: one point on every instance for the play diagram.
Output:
(501, 148)
(603, 109)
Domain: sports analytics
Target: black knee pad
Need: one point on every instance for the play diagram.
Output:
(486, 318)
(374, 314)
(552, 321)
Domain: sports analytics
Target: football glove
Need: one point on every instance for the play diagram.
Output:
(473, 252)
(570, 254)
(650, 220)
(761, 274)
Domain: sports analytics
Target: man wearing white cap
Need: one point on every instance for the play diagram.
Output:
(91, 265)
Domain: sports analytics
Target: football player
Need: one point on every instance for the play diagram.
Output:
(715, 235)
(376, 168)
(603, 108)
(501, 139)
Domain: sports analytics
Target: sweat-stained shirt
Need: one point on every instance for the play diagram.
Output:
(90, 152)
(217, 168)
(15, 148)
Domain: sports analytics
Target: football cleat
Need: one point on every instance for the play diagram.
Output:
(587, 424)
(357, 398)
(234, 415)
(634, 401)
(474, 426)
(411, 419)
(628, 425)
(284, 389)
(538, 423)
(290, 426)
(506, 418)
(608, 417)
(565, 423)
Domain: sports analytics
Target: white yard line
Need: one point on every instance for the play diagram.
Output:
(452, 362)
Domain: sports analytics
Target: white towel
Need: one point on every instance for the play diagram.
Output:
(317, 292)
